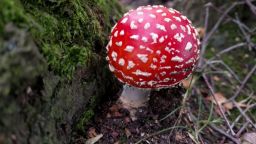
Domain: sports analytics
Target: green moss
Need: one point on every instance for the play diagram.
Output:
(252, 113)
(234, 113)
(231, 31)
(86, 117)
(210, 52)
(253, 38)
(87, 114)
(11, 11)
(68, 32)
(243, 56)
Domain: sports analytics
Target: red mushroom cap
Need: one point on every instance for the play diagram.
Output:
(153, 47)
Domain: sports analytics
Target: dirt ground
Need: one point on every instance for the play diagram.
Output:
(117, 127)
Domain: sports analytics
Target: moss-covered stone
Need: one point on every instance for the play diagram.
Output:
(67, 31)
(52, 62)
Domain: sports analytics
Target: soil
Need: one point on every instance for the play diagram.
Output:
(115, 124)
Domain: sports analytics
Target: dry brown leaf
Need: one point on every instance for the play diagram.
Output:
(228, 106)
(216, 78)
(91, 132)
(114, 108)
(114, 111)
(201, 31)
(117, 114)
(221, 99)
(242, 104)
(186, 82)
(249, 138)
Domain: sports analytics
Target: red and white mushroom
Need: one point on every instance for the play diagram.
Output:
(153, 47)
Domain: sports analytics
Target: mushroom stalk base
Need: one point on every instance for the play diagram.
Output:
(133, 98)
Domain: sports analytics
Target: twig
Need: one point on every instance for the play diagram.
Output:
(232, 19)
(243, 83)
(215, 27)
(229, 70)
(204, 38)
(238, 118)
(233, 99)
(252, 7)
(217, 103)
(219, 21)
(238, 134)
(243, 114)
(231, 48)
(159, 132)
(225, 65)
(225, 134)
(246, 35)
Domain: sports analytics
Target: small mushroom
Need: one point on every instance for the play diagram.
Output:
(151, 47)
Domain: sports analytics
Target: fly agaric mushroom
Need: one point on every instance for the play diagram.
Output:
(151, 47)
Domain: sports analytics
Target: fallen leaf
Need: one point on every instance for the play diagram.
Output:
(242, 103)
(94, 139)
(114, 108)
(91, 132)
(114, 111)
(186, 83)
(201, 31)
(216, 78)
(221, 99)
(249, 138)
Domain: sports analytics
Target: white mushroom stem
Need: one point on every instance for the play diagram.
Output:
(132, 98)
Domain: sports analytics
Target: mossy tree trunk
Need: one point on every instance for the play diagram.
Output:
(52, 67)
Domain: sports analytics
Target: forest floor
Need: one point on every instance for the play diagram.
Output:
(216, 105)
(152, 124)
